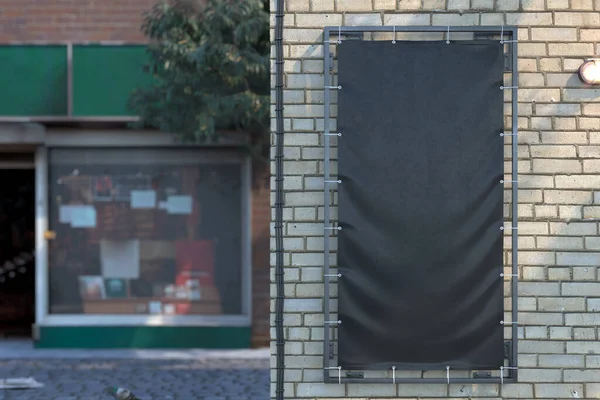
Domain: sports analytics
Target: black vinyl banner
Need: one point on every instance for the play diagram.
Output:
(420, 205)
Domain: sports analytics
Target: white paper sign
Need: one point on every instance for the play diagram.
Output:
(155, 307)
(143, 199)
(181, 205)
(64, 214)
(83, 216)
(120, 259)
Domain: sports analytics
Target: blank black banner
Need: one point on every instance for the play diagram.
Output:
(420, 205)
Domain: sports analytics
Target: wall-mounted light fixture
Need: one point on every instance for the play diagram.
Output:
(589, 72)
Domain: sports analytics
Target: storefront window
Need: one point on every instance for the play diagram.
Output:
(145, 231)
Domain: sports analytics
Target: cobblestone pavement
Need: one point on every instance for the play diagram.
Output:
(151, 376)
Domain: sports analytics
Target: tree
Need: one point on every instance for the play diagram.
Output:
(210, 63)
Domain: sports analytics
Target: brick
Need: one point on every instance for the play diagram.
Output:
(297, 5)
(576, 19)
(589, 151)
(581, 375)
(578, 258)
(534, 273)
(577, 181)
(582, 5)
(533, 228)
(531, 50)
(303, 305)
(304, 229)
(434, 4)
(561, 332)
(458, 4)
(558, 4)
(561, 304)
(527, 303)
(569, 212)
(540, 347)
(570, 49)
(532, 318)
(591, 212)
(553, 166)
(543, 151)
(455, 19)
(508, 5)
(531, 19)
(482, 4)
(518, 390)
(559, 243)
(536, 181)
(489, 18)
(322, 5)
(567, 197)
(546, 212)
(589, 35)
(550, 64)
(540, 123)
(353, 5)
(557, 109)
(589, 123)
(564, 124)
(592, 243)
(407, 19)
(362, 19)
(539, 375)
(409, 5)
(558, 390)
(318, 20)
(554, 34)
(587, 319)
(531, 80)
(564, 137)
(527, 65)
(559, 274)
(384, 4)
(584, 333)
(539, 95)
(533, 332)
(580, 289)
(591, 109)
(302, 35)
(588, 95)
(421, 390)
(592, 361)
(584, 273)
(536, 258)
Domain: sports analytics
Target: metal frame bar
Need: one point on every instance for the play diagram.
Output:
(509, 31)
(69, 116)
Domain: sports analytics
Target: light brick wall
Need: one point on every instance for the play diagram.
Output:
(559, 165)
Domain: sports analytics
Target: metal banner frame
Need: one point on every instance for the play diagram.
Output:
(335, 35)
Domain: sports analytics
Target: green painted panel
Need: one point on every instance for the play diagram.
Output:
(33, 80)
(104, 77)
(143, 337)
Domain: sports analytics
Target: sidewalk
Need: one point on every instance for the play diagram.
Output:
(151, 374)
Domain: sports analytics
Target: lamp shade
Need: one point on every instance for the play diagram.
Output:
(589, 72)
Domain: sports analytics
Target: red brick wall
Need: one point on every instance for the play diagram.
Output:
(261, 217)
(72, 20)
(120, 20)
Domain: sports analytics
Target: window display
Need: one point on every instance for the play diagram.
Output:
(142, 231)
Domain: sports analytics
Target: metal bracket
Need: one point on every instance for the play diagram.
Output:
(482, 374)
(355, 374)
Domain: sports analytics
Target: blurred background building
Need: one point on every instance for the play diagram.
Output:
(112, 236)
